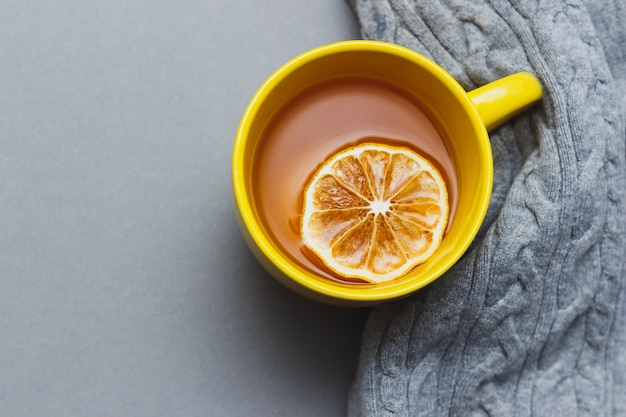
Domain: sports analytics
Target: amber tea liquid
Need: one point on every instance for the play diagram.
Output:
(320, 122)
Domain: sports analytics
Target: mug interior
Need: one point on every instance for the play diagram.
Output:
(445, 103)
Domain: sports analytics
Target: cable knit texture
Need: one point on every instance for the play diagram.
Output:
(532, 320)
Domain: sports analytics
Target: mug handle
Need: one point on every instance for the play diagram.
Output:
(502, 99)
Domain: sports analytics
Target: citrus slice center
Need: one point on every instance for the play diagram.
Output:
(380, 207)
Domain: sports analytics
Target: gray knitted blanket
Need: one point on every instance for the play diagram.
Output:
(532, 320)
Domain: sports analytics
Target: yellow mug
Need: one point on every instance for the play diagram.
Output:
(464, 116)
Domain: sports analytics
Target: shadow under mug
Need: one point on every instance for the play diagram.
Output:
(464, 117)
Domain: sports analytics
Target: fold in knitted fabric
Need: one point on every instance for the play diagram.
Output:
(532, 320)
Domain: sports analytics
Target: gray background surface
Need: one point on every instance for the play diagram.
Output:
(126, 288)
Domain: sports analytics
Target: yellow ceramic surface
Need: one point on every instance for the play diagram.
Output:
(465, 118)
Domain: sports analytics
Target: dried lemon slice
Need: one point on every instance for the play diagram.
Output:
(374, 212)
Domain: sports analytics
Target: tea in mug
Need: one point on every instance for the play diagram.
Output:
(321, 121)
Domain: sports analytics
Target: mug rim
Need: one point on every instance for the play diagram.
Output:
(270, 250)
